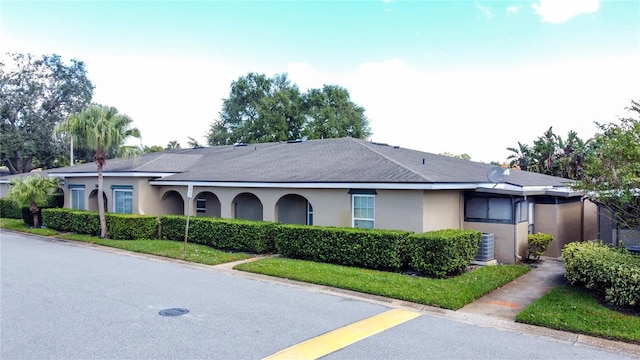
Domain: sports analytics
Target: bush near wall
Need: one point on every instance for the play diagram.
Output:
(85, 222)
(537, 245)
(57, 219)
(131, 227)
(225, 234)
(27, 216)
(9, 209)
(372, 249)
(597, 266)
(444, 252)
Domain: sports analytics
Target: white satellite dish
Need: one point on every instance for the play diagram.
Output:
(497, 174)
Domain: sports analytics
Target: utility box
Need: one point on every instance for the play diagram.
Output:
(486, 250)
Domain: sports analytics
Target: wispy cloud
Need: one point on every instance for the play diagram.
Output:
(485, 10)
(559, 11)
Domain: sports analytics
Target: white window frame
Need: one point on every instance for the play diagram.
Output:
(77, 194)
(201, 199)
(372, 220)
(115, 200)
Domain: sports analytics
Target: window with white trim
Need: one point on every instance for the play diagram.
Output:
(123, 200)
(363, 211)
(309, 214)
(201, 204)
(77, 197)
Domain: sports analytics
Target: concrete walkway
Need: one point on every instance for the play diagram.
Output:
(507, 301)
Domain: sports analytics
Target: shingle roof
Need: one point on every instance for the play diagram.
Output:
(313, 161)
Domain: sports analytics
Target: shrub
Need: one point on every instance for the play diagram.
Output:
(85, 222)
(27, 216)
(57, 219)
(444, 252)
(538, 244)
(9, 209)
(132, 227)
(602, 268)
(372, 249)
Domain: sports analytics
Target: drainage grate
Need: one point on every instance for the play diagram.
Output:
(173, 312)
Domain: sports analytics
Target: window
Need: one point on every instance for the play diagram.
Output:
(77, 197)
(309, 214)
(123, 200)
(363, 214)
(201, 204)
(491, 209)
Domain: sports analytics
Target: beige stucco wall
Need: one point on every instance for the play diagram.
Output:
(563, 222)
(590, 224)
(442, 210)
(507, 238)
(4, 189)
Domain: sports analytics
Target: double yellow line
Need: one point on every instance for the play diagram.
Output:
(337, 339)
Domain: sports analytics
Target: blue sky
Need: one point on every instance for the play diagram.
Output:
(469, 77)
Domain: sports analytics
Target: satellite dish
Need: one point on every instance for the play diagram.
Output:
(497, 174)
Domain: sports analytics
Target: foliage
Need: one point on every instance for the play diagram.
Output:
(463, 156)
(575, 310)
(19, 225)
(612, 271)
(132, 227)
(172, 145)
(443, 253)
(551, 155)
(152, 149)
(35, 95)
(58, 219)
(228, 234)
(372, 249)
(261, 109)
(538, 244)
(32, 191)
(85, 222)
(451, 293)
(612, 169)
(9, 209)
(101, 128)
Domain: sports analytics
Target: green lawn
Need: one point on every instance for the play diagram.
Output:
(452, 293)
(171, 249)
(574, 310)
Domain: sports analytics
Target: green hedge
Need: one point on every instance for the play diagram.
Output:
(57, 219)
(537, 245)
(131, 227)
(444, 252)
(225, 234)
(372, 249)
(610, 270)
(85, 222)
(9, 209)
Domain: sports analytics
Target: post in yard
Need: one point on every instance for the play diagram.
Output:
(186, 228)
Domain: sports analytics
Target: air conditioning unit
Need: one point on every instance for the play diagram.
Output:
(486, 248)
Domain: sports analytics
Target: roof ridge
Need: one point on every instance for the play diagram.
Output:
(361, 143)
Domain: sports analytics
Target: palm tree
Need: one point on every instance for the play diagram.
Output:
(101, 128)
(32, 191)
(173, 144)
(521, 157)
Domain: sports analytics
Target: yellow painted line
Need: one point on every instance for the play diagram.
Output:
(337, 339)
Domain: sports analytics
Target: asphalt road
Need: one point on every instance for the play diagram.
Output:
(63, 301)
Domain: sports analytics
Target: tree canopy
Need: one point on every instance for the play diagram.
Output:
(262, 109)
(612, 168)
(32, 191)
(36, 93)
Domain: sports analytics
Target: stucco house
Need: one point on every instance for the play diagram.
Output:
(340, 182)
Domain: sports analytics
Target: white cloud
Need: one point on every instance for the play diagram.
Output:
(558, 11)
(485, 10)
(513, 9)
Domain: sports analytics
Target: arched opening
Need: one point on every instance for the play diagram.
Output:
(207, 204)
(294, 209)
(93, 201)
(172, 203)
(247, 206)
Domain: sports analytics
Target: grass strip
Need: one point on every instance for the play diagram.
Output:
(19, 225)
(451, 293)
(172, 249)
(571, 309)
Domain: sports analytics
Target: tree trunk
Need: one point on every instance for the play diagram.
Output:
(101, 214)
(33, 207)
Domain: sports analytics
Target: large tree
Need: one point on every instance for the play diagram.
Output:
(102, 128)
(262, 109)
(32, 191)
(612, 168)
(36, 93)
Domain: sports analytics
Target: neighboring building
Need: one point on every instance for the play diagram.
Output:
(340, 182)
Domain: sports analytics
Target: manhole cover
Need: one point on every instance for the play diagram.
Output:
(173, 312)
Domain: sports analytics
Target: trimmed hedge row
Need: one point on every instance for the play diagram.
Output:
(597, 266)
(437, 254)
(9, 209)
(225, 234)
